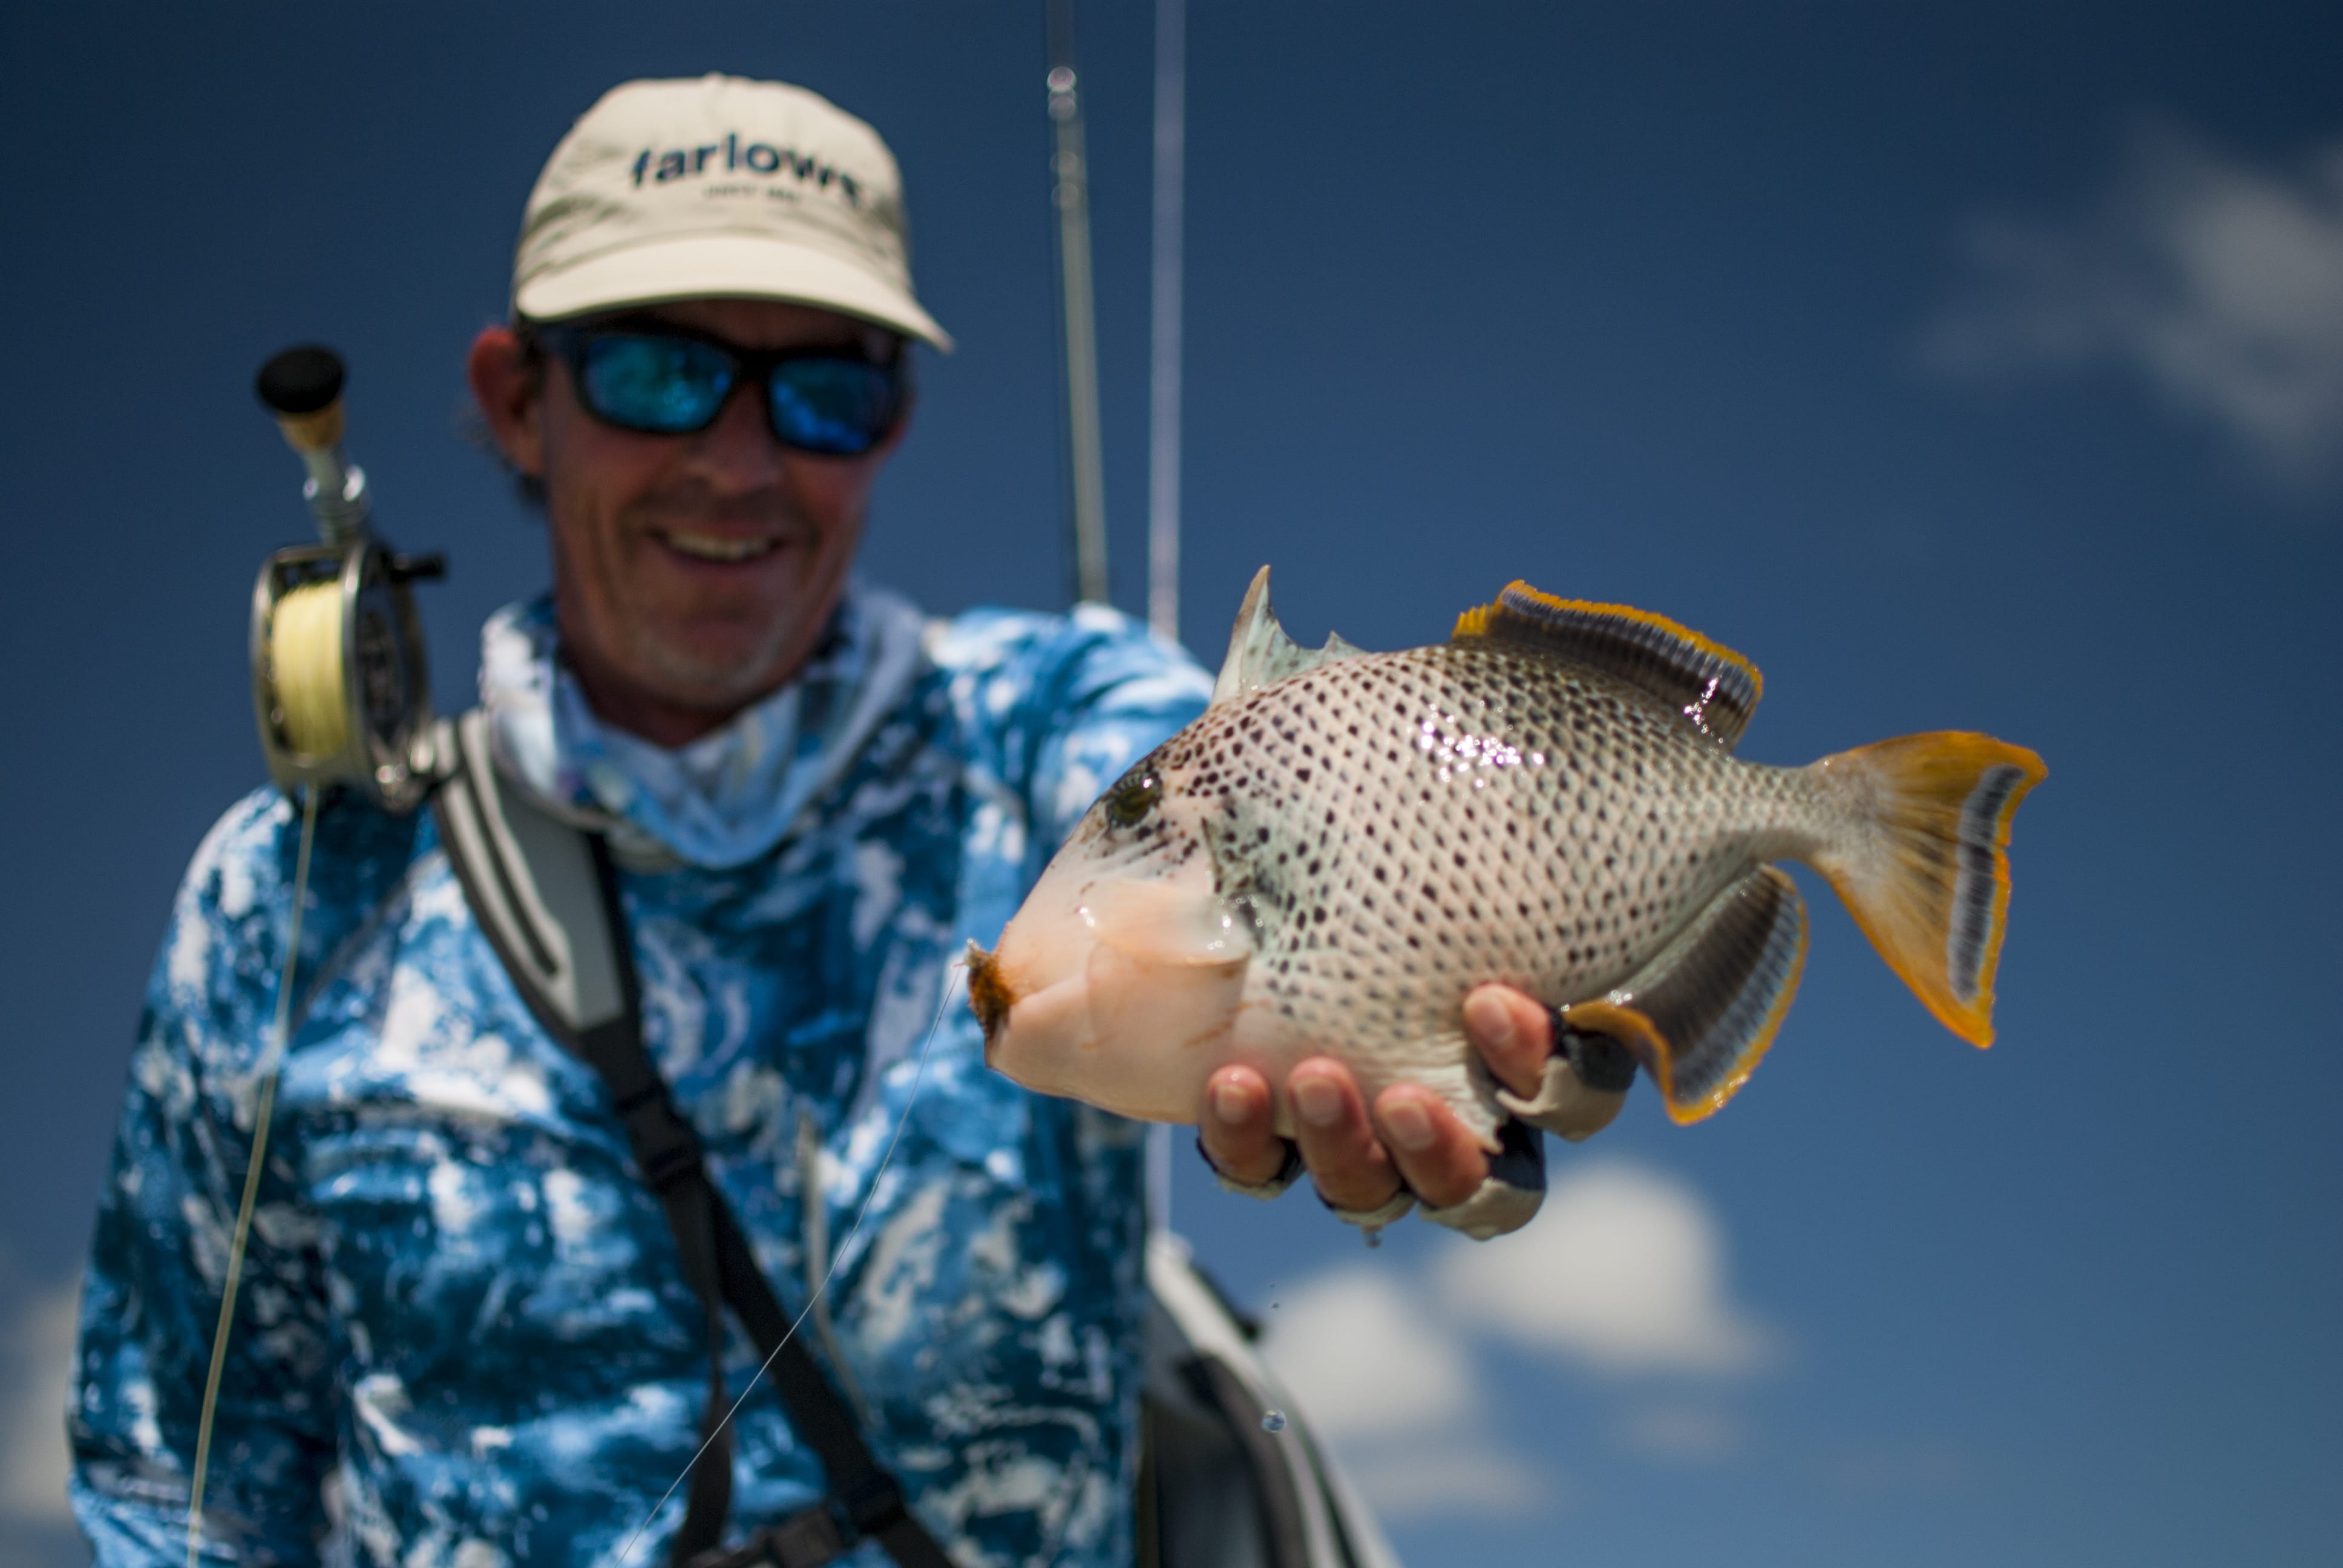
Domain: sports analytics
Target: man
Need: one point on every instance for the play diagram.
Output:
(463, 1336)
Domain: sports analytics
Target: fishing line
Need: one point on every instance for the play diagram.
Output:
(264, 1108)
(955, 972)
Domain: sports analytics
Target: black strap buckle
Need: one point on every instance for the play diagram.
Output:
(810, 1538)
(664, 1169)
(873, 1502)
(666, 1149)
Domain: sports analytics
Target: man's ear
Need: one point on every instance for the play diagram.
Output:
(509, 384)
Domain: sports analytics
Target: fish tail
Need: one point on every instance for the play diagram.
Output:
(1921, 861)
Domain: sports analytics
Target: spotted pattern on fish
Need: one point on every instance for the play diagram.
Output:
(1399, 828)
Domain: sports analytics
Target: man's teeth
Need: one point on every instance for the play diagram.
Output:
(718, 547)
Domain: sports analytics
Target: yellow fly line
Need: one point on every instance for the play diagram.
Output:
(306, 660)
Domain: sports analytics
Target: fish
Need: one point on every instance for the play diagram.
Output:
(1346, 843)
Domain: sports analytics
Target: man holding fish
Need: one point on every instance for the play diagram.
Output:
(463, 1336)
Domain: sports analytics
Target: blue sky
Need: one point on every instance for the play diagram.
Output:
(1974, 366)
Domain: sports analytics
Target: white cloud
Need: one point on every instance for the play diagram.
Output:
(1385, 1379)
(2218, 283)
(1624, 1270)
(1366, 1359)
(35, 1377)
(1476, 1479)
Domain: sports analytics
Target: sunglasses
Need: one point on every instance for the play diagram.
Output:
(666, 382)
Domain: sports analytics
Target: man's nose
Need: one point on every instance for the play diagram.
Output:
(738, 453)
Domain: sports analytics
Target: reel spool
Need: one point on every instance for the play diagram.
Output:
(340, 689)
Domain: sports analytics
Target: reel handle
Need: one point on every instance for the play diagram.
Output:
(301, 388)
(428, 567)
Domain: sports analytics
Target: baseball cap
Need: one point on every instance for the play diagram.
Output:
(719, 187)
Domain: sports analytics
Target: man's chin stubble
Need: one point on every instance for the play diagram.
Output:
(687, 679)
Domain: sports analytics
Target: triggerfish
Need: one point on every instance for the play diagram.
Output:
(1346, 843)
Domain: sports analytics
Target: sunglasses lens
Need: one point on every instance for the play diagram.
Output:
(842, 406)
(665, 386)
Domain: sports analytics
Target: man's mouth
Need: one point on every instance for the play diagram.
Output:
(727, 548)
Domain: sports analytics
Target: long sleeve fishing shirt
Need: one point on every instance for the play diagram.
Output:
(463, 1338)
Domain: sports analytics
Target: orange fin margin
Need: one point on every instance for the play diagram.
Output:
(1925, 873)
(1714, 687)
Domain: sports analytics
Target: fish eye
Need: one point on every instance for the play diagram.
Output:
(1130, 801)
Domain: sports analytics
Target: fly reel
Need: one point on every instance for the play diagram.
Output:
(340, 689)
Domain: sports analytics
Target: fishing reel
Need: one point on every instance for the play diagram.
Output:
(340, 689)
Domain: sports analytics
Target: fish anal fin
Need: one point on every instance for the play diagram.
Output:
(1260, 652)
(1714, 689)
(1702, 1014)
(1630, 1027)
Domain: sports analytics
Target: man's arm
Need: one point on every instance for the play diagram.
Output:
(152, 1293)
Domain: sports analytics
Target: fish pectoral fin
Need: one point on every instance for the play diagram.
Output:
(1261, 652)
(1714, 689)
(1702, 1014)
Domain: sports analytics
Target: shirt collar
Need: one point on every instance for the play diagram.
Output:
(736, 792)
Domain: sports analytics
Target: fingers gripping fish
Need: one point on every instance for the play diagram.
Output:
(1346, 843)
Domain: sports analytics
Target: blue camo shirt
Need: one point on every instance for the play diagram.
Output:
(463, 1337)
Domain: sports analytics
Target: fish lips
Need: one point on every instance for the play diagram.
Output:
(990, 995)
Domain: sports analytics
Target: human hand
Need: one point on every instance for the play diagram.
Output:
(1357, 1160)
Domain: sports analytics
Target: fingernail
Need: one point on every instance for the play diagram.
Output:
(1409, 1127)
(1317, 1101)
(1491, 1021)
(1230, 1103)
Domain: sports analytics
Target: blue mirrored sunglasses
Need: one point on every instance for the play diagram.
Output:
(667, 383)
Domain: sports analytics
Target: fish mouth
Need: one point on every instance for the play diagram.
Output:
(989, 995)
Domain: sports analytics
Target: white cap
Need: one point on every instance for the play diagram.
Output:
(719, 187)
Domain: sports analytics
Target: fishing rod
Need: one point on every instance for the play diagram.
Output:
(1164, 415)
(1168, 284)
(1085, 468)
(341, 693)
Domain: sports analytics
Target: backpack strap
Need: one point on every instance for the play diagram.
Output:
(546, 893)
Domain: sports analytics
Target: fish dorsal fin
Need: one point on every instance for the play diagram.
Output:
(1261, 652)
(1713, 686)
